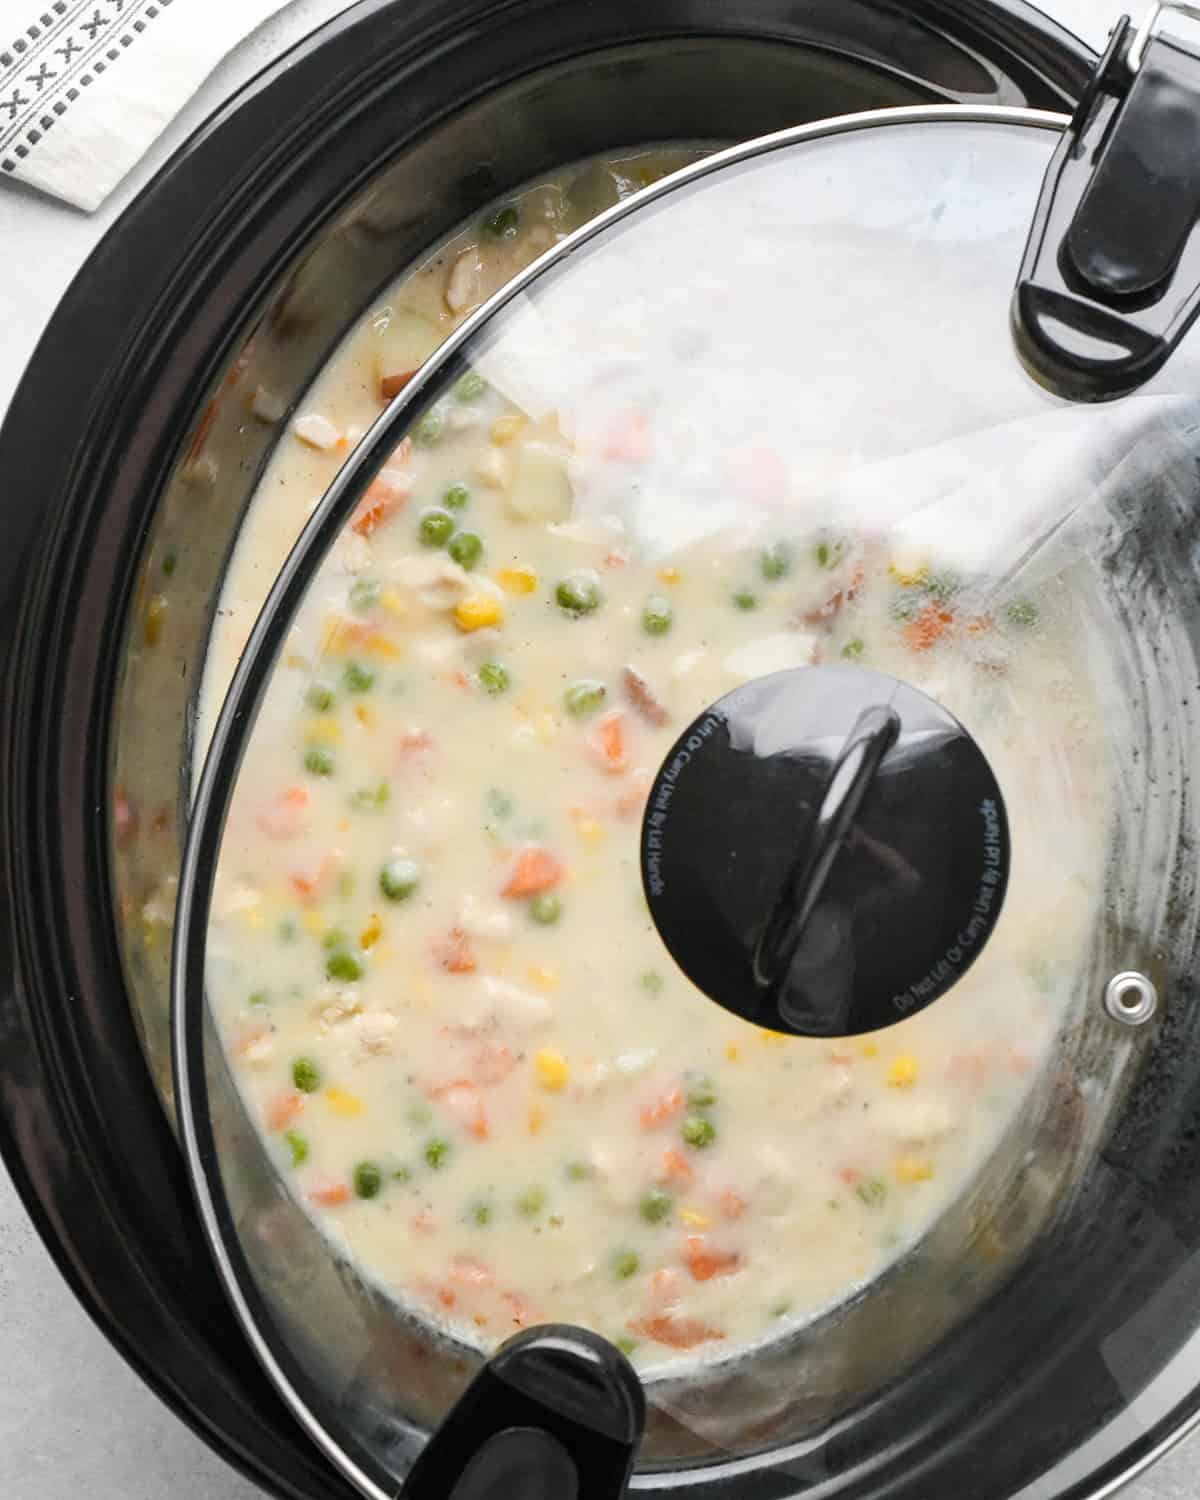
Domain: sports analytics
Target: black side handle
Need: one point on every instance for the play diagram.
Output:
(557, 1413)
(1110, 280)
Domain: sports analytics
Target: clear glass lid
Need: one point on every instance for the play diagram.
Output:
(696, 845)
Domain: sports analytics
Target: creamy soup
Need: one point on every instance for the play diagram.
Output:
(430, 955)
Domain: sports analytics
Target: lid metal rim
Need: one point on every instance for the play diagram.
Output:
(254, 669)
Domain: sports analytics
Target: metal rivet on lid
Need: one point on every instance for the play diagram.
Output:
(1130, 998)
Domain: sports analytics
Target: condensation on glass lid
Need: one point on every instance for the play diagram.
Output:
(822, 332)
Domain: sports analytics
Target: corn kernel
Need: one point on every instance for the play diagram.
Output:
(323, 731)
(591, 832)
(477, 611)
(371, 933)
(732, 1051)
(156, 612)
(517, 580)
(336, 636)
(343, 1103)
(551, 1069)
(908, 569)
(913, 1169)
(902, 1071)
(386, 650)
(393, 601)
(771, 1038)
(506, 429)
(694, 1219)
(869, 1049)
(669, 575)
(365, 715)
(543, 976)
(314, 923)
(536, 1119)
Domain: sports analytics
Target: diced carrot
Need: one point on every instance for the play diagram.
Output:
(386, 494)
(414, 741)
(704, 1262)
(675, 1168)
(454, 952)
(447, 1296)
(617, 558)
(851, 1176)
(608, 743)
(676, 1333)
(330, 1194)
(461, 1099)
(310, 883)
(284, 817)
(492, 1063)
(664, 1108)
(467, 1271)
(535, 870)
(283, 1109)
(628, 439)
(392, 385)
(928, 627)
(732, 1204)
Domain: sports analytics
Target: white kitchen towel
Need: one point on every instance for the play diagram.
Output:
(87, 85)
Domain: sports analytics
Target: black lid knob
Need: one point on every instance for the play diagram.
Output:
(825, 851)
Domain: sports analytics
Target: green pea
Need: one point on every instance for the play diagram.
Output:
(367, 1179)
(399, 878)
(625, 1263)
(481, 1213)
(437, 1153)
(942, 586)
(625, 1344)
(853, 650)
(652, 982)
(499, 804)
(579, 593)
(470, 387)
(357, 678)
(344, 966)
(457, 497)
(657, 615)
(502, 223)
(701, 1094)
(1021, 612)
(306, 1075)
(436, 527)
(584, 697)
(169, 562)
(401, 1174)
(494, 678)
(259, 997)
(698, 1132)
(318, 761)
(372, 798)
(545, 908)
(335, 938)
(655, 1206)
(745, 600)
(320, 697)
(298, 1147)
(531, 1202)
(873, 1192)
(579, 1171)
(428, 431)
(829, 554)
(364, 595)
(775, 561)
(466, 548)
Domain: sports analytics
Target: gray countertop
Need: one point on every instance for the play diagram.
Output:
(74, 1420)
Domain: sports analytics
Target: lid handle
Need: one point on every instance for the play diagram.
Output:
(874, 734)
(557, 1413)
(1110, 280)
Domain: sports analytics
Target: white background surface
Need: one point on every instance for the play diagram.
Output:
(74, 1421)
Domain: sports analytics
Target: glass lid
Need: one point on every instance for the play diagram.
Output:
(692, 868)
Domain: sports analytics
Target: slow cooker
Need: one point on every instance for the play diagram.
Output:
(351, 156)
